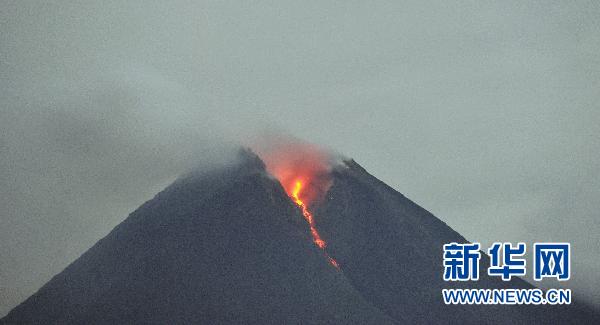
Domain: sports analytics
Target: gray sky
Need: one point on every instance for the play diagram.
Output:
(486, 114)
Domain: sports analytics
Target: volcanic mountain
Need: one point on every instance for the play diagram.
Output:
(235, 245)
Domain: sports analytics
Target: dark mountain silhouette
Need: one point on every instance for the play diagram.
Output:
(391, 251)
(229, 246)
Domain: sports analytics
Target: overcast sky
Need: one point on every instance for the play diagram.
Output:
(486, 114)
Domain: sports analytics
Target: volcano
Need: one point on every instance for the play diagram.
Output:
(234, 245)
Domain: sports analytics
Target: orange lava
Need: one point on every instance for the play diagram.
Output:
(307, 215)
(292, 161)
(311, 222)
(304, 171)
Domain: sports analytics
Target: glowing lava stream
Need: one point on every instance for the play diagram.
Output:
(311, 222)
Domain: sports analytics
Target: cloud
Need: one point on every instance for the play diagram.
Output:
(486, 115)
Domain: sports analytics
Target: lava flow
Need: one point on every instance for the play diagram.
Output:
(311, 222)
(304, 172)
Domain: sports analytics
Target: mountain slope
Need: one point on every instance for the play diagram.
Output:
(226, 247)
(391, 250)
(230, 246)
